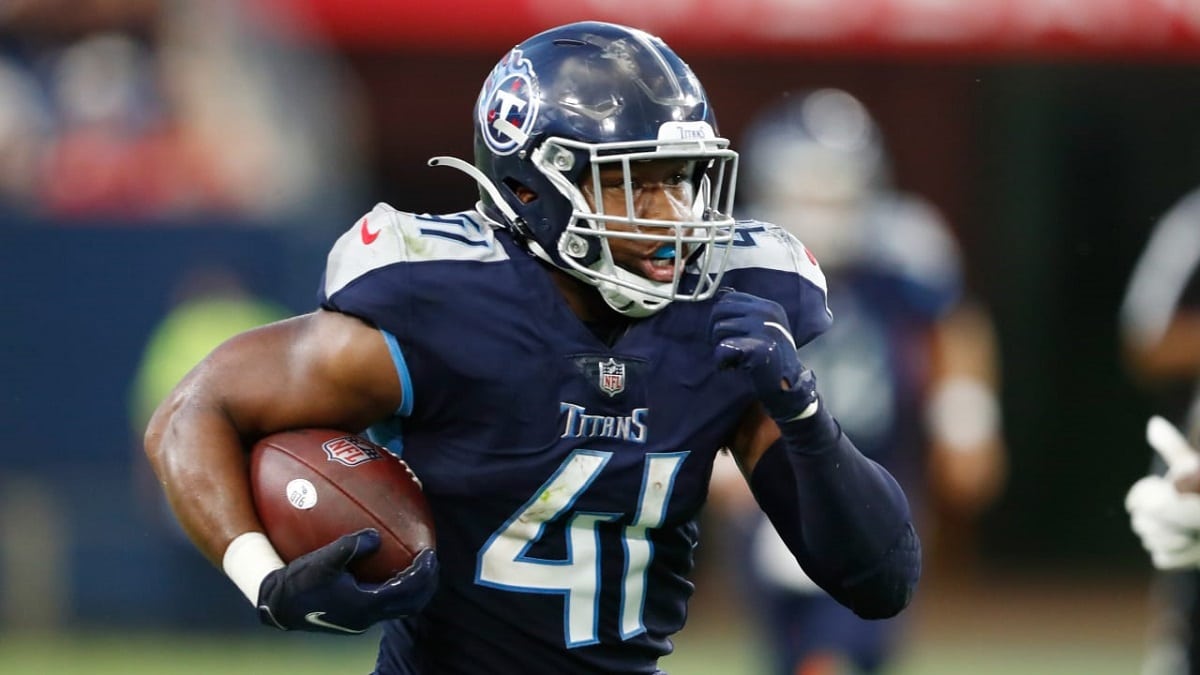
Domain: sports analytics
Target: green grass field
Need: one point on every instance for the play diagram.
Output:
(707, 654)
(1048, 627)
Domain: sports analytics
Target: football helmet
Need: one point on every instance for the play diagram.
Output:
(814, 165)
(570, 101)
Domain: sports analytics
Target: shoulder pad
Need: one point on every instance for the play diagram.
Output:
(385, 237)
(768, 246)
(768, 261)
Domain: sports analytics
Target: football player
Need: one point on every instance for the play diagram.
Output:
(560, 365)
(1160, 332)
(909, 366)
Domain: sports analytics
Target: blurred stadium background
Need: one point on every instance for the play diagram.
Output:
(151, 150)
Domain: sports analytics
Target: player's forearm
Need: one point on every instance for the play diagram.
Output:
(198, 457)
(844, 517)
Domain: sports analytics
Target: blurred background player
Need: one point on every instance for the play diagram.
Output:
(1160, 334)
(909, 365)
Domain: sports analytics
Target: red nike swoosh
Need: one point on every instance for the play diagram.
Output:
(368, 236)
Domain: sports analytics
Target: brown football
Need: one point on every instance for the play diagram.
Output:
(312, 486)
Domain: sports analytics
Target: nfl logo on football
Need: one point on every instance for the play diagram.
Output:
(349, 451)
(612, 377)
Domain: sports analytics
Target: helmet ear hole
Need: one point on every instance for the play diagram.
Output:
(525, 194)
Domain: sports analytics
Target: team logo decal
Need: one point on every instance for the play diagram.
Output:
(349, 451)
(612, 377)
(509, 95)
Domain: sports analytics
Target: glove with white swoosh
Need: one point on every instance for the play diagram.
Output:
(315, 592)
(752, 334)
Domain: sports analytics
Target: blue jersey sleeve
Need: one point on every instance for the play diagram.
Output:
(364, 272)
(390, 267)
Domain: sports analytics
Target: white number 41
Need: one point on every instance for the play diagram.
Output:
(503, 563)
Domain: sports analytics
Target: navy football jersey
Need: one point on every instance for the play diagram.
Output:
(565, 475)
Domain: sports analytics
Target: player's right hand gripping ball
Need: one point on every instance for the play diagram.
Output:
(752, 334)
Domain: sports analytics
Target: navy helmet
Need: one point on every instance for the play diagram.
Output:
(574, 99)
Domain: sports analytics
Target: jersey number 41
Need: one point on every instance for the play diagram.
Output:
(503, 562)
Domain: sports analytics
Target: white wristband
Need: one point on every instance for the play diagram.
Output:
(963, 413)
(248, 560)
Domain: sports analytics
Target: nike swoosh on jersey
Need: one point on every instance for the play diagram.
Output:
(315, 617)
(368, 237)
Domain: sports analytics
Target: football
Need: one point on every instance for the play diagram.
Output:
(312, 486)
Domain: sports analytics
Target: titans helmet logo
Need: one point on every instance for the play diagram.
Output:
(508, 104)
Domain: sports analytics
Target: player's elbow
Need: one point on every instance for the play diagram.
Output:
(156, 429)
(175, 418)
(886, 589)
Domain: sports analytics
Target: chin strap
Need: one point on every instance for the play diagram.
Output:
(477, 175)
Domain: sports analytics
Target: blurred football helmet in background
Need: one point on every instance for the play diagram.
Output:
(813, 165)
(573, 100)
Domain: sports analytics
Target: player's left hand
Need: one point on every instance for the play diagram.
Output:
(1166, 519)
(752, 334)
(316, 592)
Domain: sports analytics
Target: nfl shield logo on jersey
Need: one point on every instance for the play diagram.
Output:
(612, 377)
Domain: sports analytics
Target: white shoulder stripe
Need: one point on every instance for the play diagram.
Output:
(767, 246)
(385, 236)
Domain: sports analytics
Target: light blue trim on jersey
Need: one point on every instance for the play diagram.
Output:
(406, 405)
(388, 433)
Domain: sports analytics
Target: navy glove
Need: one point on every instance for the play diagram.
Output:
(752, 334)
(315, 592)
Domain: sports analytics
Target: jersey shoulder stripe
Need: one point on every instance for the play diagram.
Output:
(763, 245)
(386, 236)
(767, 261)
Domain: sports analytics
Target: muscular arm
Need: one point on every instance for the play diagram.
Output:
(319, 370)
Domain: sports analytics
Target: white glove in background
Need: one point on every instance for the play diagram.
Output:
(1166, 520)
